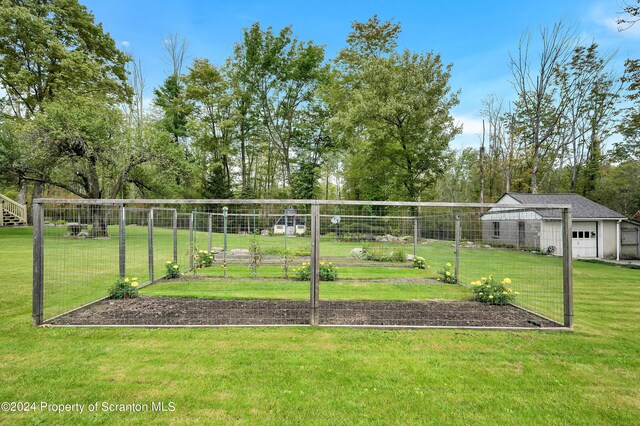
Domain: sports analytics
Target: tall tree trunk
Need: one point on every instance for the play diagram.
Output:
(22, 193)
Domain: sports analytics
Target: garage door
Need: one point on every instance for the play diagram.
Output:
(584, 239)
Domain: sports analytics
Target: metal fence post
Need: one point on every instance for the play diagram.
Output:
(567, 267)
(150, 244)
(225, 211)
(191, 241)
(122, 244)
(210, 230)
(175, 236)
(415, 237)
(458, 232)
(315, 264)
(38, 264)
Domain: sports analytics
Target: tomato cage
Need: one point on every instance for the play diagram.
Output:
(174, 263)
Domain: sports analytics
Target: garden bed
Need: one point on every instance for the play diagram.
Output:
(194, 311)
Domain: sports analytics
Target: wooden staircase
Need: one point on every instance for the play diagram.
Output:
(13, 214)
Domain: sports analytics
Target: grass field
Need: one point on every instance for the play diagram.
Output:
(328, 376)
(79, 271)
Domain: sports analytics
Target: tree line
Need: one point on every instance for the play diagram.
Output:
(278, 119)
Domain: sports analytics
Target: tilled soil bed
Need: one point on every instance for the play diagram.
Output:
(191, 311)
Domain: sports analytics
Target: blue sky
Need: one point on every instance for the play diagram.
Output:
(476, 36)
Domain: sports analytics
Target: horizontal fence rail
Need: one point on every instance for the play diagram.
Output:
(301, 262)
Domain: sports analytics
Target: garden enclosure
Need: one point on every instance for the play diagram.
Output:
(297, 262)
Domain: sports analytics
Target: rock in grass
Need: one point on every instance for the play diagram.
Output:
(357, 253)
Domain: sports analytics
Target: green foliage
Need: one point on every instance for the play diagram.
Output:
(204, 258)
(53, 46)
(446, 274)
(170, 97)
(383, 254)
(420, 262)
(327, 272)
(173, 269)
(395, 111)
(488, 290)
(255, 250)
(124, 288)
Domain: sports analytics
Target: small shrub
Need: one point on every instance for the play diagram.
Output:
(398, 255)
(446, 275)
(303, 272)
(204, 258)
(173, 269)
(124, 288)
(382, 254)
(256, 256)
(328, 272)
(419, 262)
(488, 290)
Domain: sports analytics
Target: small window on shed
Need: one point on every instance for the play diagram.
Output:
(496, 229)
(575, 234)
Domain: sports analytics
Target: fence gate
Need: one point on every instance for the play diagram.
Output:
(630, 242)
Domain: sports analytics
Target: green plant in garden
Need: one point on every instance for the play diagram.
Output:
(420, 262)
(382, 254)
(204, 258)
(256, 256)
(124, 288)
(446, 275)
(173, 269)
(488, 290)
(328, 272)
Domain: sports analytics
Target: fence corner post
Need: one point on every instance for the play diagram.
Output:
(191, 242)
(458, 236)
(315, 265)
(150, 244)
(567, 267)
(38, 264)
(122, 243)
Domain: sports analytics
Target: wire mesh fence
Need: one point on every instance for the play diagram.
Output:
(292, 262)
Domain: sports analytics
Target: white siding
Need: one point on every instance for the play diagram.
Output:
(494, 216)
(551, 235)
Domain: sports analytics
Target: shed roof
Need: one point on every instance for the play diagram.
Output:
(581, 207)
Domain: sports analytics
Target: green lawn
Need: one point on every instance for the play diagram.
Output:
(324, 376)
(80, 271)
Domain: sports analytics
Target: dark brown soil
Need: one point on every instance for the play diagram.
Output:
(190, 311)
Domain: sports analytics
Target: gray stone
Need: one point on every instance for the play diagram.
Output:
(83, 234)
(239, 252)
(264, 232)
(410, 257)
(357, 253)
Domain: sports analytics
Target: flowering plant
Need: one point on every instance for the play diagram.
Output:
(488, 290)
(124, 288)
(173, 269)
(204, 258)
(328, 271)
(420, 262)
(446, 275)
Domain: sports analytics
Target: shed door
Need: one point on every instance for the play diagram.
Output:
(584, 239)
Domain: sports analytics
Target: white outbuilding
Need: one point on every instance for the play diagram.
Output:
(597, 231)
(290, 223)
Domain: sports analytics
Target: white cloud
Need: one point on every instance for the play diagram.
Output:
(601, 14)
(470, 125)
(125, 43)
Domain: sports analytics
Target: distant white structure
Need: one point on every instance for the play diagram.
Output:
(597, 231)
(291, 221)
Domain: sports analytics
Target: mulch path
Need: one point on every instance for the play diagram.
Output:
(192, 311)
